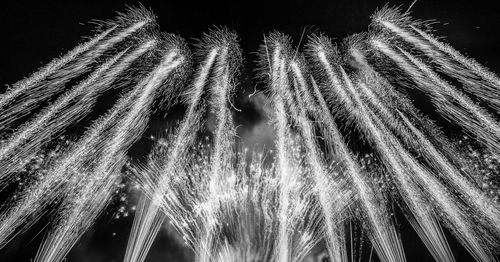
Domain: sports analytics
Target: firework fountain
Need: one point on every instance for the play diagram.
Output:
(328, 105)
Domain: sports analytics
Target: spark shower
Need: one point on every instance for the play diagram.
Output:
(352, 146)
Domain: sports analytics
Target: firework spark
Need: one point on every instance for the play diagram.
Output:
(329, 105)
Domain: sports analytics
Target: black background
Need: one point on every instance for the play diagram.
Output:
(34, 33)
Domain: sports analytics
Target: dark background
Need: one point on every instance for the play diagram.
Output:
(34, 33)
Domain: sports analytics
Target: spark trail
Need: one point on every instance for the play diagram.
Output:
(34, 198)
(384, 236)
(31, 136)
(281, 204)
(477, 250)
(390, 149)
(335, 232)
(222, 153)
(49, 69)
(52, 78)
(284, 168)
(452, 104)
(288, 170)
(475, 78)
(426, 224)
(96, 193)
(334, 84)
(418, 142)
(331, 207)
(341, 152)
(142, 233)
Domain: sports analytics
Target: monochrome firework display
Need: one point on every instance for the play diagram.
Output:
(366, 144)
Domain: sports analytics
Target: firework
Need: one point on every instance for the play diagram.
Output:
(350, 145)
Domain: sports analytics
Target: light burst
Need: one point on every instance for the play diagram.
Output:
(234, 202)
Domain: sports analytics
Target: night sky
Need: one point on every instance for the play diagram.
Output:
(34, 33)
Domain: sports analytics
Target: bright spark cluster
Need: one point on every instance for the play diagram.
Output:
(236, 203)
